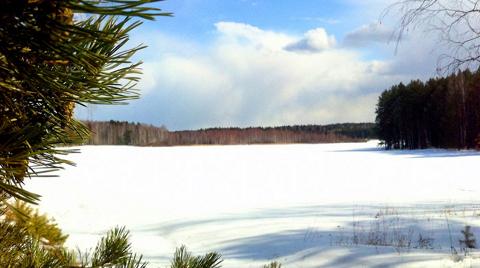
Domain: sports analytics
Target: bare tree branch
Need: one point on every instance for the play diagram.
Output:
(456, 23)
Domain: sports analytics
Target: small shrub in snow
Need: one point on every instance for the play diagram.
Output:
(468, 241)
(424, 242)
(273, 265)
(387, 229)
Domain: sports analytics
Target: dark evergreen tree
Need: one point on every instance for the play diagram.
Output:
(442, 113)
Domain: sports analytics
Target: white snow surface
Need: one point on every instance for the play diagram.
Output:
(325, 205)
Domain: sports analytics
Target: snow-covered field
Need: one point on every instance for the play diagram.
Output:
(330, 205)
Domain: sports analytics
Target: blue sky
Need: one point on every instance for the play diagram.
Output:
(195, 18)
(268, 62)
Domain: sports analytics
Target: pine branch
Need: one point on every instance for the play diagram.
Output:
(49, 61)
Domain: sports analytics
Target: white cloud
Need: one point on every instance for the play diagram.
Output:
(252, 36)
(315, 40)
(249, 76)
(367, 34)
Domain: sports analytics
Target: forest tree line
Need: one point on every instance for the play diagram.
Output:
(442, 112)
(125, 133)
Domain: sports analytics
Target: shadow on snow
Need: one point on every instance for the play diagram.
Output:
(379, 232)
(421, 153)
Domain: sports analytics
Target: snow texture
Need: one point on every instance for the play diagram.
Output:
(326, 205)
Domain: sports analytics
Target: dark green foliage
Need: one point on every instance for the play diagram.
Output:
(21, 245)
(49, 62)
(19, 249)
(127, 137)
(37, 226)
(184, 259)
(113, 250)
(441, 113)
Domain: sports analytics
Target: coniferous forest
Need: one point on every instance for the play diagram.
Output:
(441, 112)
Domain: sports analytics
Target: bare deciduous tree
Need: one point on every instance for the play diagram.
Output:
(457, 23)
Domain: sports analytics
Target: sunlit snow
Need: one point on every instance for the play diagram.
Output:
(327, 205)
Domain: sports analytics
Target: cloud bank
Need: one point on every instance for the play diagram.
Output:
(368, 34)
(248, 76)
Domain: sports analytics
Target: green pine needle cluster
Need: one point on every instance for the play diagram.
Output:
(184, 259)
(36, 225)
(55, 55)
(28, 239)
(113, 250)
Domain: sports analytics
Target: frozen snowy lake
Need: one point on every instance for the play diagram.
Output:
(326, 205)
